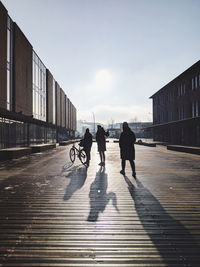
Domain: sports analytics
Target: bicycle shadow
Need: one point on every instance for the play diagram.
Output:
(171, 238)
(99, 198)
(77, 178)
(74, 155)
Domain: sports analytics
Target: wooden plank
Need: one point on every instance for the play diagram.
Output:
(80, 217)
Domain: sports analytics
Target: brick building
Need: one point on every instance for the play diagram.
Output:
(176, 109)
(33, 106)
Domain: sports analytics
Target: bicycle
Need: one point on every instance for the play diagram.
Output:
(79, 152)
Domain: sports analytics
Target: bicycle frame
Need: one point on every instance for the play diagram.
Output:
(79, 152)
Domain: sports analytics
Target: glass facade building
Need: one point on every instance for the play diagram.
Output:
(30, 97)
(12, 133)
(16, 133)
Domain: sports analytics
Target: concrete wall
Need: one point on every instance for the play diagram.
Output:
(22, 72)
(3, 56)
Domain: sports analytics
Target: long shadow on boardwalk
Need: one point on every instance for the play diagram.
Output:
(173, 241)
(78, 177)
(99, 198)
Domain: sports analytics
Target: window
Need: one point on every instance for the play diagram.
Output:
(192, 83)
(184, 91)
(161, 100)
(181, 113)
(181, 89)
(195, 108)
(39, 88)
(9, 63)
(170, 116)
(161, 116)
(195, 82)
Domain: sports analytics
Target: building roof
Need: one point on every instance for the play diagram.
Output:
(194, 66)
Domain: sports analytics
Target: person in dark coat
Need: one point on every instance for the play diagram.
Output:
(127, 150)
(101, 143)
(87, 144)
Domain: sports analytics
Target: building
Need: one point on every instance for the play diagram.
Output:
(141, 129)
(83, 125)
(176, 109)
(33, 106)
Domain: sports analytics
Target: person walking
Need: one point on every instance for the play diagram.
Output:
(101, 143)
(127, 149)
(87, 144)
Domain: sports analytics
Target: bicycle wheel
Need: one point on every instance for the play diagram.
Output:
(72, 154)
(83, 156)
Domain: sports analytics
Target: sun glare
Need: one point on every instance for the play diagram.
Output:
(103, 80)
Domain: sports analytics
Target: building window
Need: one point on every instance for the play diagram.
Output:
(195, 82)
(39, 89)
(199, 79)
(161, 100)
(9, 63)
(181, 89)
(192, 83)
(161, 116)
(170, 116)
(181, 114)
(195, 109)
(12, 133)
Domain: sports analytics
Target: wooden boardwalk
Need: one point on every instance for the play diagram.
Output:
(54, 214)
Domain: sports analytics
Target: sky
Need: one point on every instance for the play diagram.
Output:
(110, 56)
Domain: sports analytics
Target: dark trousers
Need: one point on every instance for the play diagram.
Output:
(132, 163)
(87, 152)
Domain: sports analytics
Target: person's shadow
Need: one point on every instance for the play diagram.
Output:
(99, 198)
(170, 237)
(78, 177)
